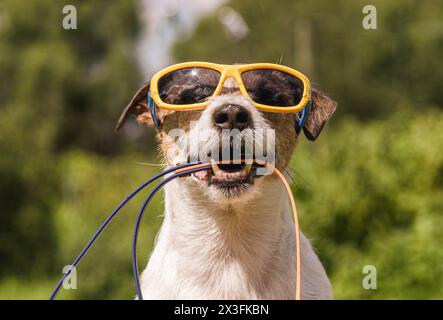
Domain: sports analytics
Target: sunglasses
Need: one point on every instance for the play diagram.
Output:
(270, 87)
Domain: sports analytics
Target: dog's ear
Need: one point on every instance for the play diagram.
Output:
(322, 109)
(138, 106)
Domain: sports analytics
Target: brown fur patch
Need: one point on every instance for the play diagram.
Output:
(323, 108)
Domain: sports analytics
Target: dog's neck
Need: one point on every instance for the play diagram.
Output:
(229, 247)
(233, 225)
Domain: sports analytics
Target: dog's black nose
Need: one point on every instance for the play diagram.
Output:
(232, 116)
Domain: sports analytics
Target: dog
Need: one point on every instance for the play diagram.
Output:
(231, 240)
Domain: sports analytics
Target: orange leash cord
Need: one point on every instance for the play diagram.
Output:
(294, 211)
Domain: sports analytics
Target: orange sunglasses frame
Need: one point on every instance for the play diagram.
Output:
(234, 71)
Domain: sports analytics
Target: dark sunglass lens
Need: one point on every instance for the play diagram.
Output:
(273, 87)
(188, 86)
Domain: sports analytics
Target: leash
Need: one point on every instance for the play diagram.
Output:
(181, 170)
(108, 220)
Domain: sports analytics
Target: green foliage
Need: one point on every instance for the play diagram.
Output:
(60, 90)
(373, 195)
(91, 187)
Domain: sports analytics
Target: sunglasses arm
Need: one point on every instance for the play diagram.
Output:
(153, 110)
(303, 116)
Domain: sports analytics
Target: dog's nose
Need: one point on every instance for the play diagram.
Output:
(232, 116)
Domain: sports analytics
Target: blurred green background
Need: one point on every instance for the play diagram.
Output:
(370, 190)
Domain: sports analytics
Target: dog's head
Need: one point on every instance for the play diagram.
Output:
(230, 127)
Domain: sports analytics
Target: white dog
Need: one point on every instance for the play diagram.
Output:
(227, 234)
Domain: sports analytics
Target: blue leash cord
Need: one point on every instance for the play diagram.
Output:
(138, 222)
(113, 214)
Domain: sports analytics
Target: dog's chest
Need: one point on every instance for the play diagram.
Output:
(215, 272)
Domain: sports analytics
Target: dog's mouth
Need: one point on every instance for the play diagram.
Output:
(234, 173)
(228, 174)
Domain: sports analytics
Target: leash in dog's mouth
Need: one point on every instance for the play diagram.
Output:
(224, 171)
(229, 174)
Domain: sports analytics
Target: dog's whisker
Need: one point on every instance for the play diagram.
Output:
(296, 177)
(289, 173)
(149, 164)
